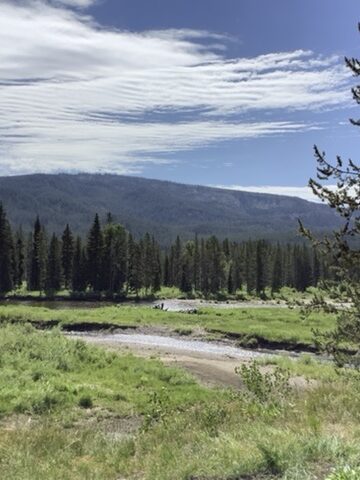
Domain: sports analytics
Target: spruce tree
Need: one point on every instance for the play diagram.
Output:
(177, 262)
(277, 271)
(79, 280)
(226, 249)
(6, 252)
(303, 270)
(148, 261)
(250, 267)
(156, 277)
(67, 256)
(260, 268)
(20, 259)
(205, 270)
(237, 266)
(197, 264)
(166, 277)
(37, 274)
(95, 255)
(230, 281)
(135, 266)
(187, 269)
(114, 269)
(215, 264)
(53, 267)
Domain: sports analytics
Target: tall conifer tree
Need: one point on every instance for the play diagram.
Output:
(95, 247)
(53, 267)
(260, 267)
(37, 274)
(79, 277)
(6, 252)
(20, 259)
(67, 255)
(135, 270)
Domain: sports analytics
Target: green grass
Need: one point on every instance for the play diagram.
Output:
(43, 372)
(78, 397)
(273, 324)
(167, 293)
(306, 366)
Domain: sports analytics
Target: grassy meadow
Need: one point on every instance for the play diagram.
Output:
(73, 411)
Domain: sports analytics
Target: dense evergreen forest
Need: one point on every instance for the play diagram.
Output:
(112, 261)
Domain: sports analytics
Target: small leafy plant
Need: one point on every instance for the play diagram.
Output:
(268, 389)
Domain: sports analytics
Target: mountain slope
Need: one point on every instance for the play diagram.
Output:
(163, 208)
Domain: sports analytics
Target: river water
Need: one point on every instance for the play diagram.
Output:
(170, 344)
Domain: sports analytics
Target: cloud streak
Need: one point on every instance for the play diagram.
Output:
(300, 192)
(76, 96)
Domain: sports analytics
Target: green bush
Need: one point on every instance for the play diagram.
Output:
(268, 389)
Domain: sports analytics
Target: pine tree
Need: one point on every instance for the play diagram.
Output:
(67, 256)
(205, 270)
(20, 265)
(109, 218)
(114, 268)
(215, 264)
(187, 268)
(177, 262)
(156, 280)
(79, 281)
(303, 270)
(237, 268)
(277, 271)
(226, 249)
(289, 266)
(6, 252)
(230, 282)
(197, 264)
(260, 268)
(342, 249)
(53, 267)
(95, 255)
(166, 278)
(37, 274)
(135, 266)
(250, 267)
(28, 259)
(148, 261)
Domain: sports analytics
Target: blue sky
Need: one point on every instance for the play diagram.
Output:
(232, 92)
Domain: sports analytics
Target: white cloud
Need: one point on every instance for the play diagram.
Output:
(300, 192)
(76, 3)
(75, 96)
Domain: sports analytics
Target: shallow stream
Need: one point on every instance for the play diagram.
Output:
(170, 344)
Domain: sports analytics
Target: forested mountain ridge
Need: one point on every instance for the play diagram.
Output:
(163, 208)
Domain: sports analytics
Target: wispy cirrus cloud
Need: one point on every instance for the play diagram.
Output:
(75, 3)
(77, 96)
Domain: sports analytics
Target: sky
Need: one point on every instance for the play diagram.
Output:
(230, 93)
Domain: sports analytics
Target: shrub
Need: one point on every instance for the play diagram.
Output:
(271, 388)
(85, 401)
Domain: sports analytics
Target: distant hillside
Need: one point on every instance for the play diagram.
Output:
(163, 208)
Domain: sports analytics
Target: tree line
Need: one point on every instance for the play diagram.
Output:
(112, 261)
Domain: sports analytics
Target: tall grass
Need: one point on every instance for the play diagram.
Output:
(71, 411)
